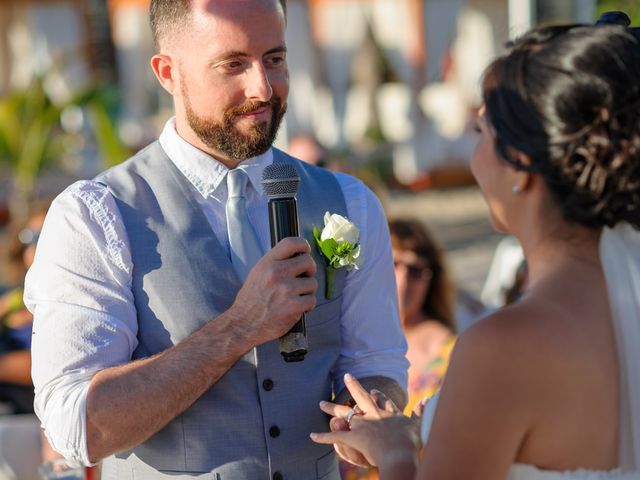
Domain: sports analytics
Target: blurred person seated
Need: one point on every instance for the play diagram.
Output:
(308, 149)
(16, 388)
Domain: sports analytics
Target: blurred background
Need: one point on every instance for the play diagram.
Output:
(384, 89)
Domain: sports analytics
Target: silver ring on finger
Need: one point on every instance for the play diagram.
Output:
(349, 416)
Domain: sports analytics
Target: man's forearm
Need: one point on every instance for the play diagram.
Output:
(129, 403)
(389, 387)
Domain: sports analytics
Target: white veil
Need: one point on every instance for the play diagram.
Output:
(620, 257)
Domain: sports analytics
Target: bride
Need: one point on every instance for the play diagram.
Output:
(549, 387)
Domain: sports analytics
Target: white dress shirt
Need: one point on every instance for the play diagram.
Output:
(79, 288)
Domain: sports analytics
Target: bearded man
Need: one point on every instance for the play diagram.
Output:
(155, 343)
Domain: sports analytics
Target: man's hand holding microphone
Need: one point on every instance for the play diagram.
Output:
(280, 288)
(278, 291)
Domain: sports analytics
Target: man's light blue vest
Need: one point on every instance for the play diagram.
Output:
(254, 423)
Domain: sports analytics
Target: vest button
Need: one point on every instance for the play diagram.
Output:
(274, 431)
(267, 384)
(278, 476)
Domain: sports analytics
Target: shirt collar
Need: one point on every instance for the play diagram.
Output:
(203, 171)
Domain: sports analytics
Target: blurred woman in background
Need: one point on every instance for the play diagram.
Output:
(426, 297)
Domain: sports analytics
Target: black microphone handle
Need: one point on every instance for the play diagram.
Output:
(283, 222)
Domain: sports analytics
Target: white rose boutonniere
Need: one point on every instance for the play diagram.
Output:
(339, 243)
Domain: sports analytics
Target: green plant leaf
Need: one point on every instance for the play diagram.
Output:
(109, 145)
(328, 248)
(32, 137)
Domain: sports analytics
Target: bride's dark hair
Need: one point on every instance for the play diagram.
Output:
(569, 98)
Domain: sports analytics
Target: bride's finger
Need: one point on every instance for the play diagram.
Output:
(328, 438)
(334, 409)
(351, 455)
(344, 450)
(384, 402)
(338, 423)
(360, 395)
(375, 395)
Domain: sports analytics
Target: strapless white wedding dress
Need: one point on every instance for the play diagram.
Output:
(620, 257)
(521, 471)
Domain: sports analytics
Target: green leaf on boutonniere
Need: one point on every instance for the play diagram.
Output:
(329, 248)
(316, 235)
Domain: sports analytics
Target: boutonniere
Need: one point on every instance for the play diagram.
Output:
(339, 243)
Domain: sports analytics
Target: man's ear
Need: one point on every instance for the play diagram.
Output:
(163, 68)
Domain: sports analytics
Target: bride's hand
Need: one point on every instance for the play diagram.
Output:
(338, 423)
(346, 453)
(377, 428)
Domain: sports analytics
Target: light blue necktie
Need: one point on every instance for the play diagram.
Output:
(243, 241)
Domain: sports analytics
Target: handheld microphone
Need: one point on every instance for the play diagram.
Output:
(280, 183)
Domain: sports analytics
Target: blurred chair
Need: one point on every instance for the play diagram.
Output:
(20, 447)
(506, 260)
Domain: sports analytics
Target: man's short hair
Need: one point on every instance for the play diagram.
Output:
(170, 15)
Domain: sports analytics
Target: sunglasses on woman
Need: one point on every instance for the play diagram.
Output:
(414, 271)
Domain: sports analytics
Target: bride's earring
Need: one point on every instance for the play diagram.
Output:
(516, 189)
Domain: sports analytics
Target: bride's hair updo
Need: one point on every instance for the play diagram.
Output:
(569, 98)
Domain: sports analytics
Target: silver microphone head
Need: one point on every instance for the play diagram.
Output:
(280, 180)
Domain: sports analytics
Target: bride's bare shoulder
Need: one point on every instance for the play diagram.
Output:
(515, 323)
(517, 341)
(493, 384)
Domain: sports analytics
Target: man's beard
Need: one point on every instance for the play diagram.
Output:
(225, 138)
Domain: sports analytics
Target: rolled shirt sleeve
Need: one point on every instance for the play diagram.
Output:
(79, 291)
(372, 340)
